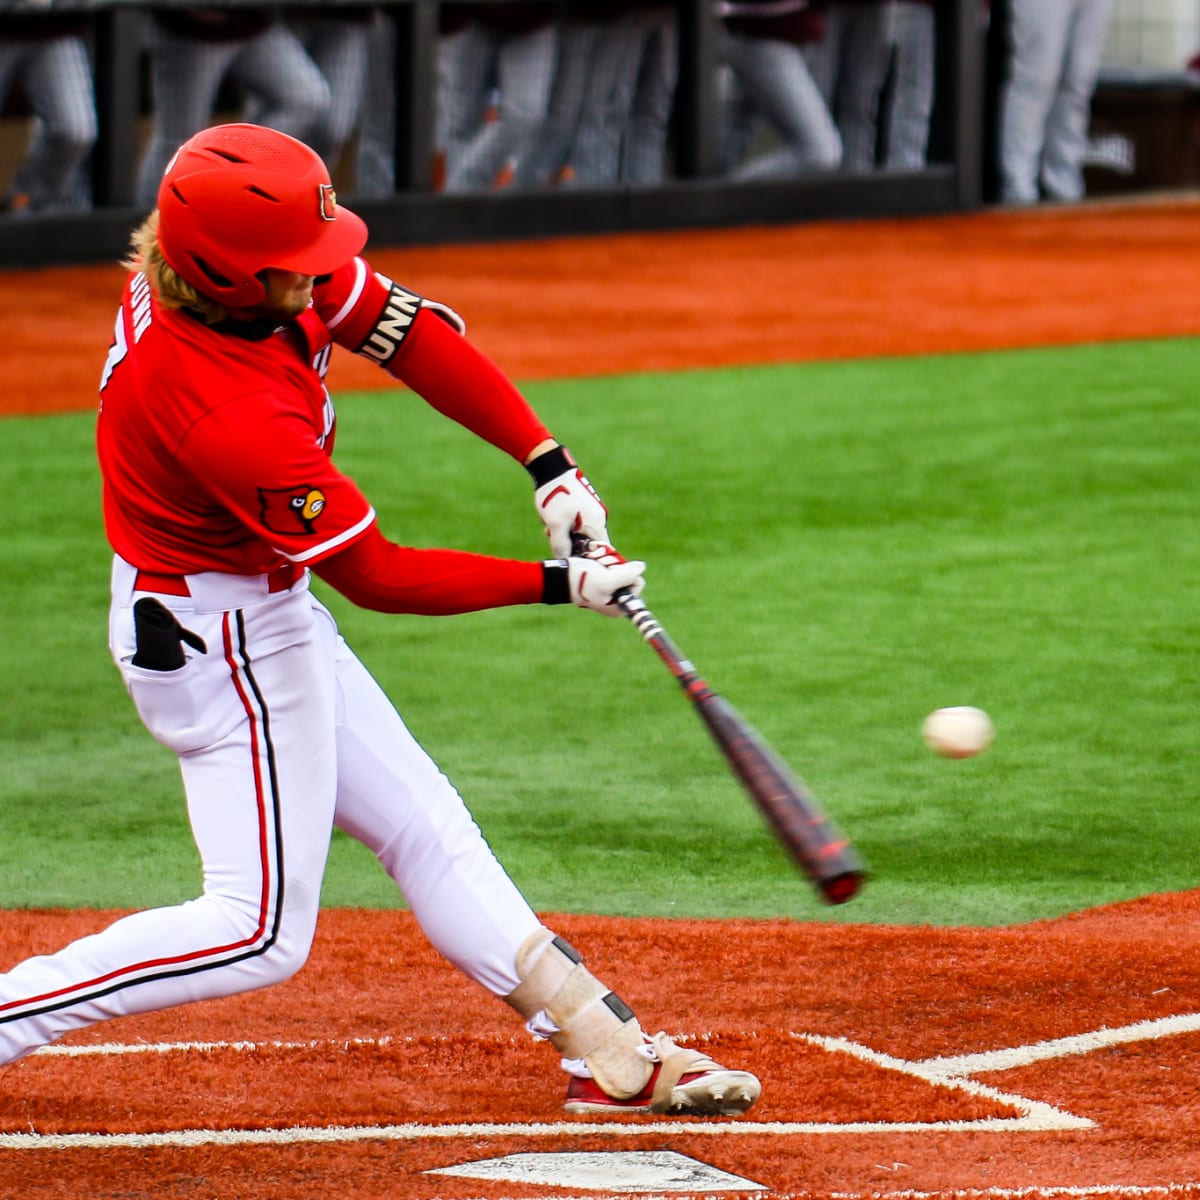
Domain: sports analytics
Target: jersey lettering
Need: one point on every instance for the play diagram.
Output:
(392, 327)
(329, 417)
(116, 352)
(139, 294)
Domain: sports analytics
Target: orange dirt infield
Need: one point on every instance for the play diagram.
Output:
(1083, 1035)
(1056, 1058)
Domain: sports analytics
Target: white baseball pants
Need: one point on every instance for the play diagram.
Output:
(281, 734)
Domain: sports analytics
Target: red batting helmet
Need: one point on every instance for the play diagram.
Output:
(237, 199)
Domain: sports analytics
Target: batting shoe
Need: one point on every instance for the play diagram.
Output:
(683, 1081)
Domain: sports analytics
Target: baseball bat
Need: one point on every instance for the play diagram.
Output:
(823, 853)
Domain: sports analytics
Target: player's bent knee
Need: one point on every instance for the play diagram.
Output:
(593, 1023)
(282, 959)
(828, 157)
(283, 951)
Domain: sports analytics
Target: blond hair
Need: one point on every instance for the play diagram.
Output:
(172, 290)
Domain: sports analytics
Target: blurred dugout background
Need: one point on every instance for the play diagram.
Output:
(422, 99)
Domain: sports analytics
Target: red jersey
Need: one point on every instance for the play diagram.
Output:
(215, 442)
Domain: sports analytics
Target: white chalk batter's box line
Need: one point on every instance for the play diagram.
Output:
(951, 1073)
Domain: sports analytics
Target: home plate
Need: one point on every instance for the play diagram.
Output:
(611, 1171)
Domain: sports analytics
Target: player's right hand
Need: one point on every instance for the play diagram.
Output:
(592, 580)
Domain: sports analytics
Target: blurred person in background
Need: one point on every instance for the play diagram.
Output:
(622, 131)
(610, 105)
(648, 117)
(875, 68)
(48, 57)
(909, 106)
(580, 31)
(194, 51)
(763, 46)
(375, 152)
(850, 66)
(496, 66)
(1052, 61)
(337, 39)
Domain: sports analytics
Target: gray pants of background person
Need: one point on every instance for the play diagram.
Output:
(906, 140)
(186, 74)
(771, 81)
(622, 133)
(643, 155)
(850, 66)
(339, 48)
(578, 42)
(862, 46)
(473, 62)
(1054, 53)
(375, 165)
(57, 79)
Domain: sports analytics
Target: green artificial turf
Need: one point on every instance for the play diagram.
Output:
(840, 548)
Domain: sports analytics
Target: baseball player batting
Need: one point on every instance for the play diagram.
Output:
(215, 436)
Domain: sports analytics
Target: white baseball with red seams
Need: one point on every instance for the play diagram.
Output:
(960, 731)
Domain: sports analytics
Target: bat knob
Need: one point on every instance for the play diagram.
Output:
(841, 888)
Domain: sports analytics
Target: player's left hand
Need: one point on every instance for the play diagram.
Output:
(566, 501)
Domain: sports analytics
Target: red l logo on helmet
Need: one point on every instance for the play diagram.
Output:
(328, 202)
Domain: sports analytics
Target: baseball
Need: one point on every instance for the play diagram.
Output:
(958, 732)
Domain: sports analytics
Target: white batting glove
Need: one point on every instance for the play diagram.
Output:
(592, 580)
(566, 501)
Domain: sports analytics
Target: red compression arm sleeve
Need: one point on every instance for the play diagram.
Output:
(462, 383)
(377, 574)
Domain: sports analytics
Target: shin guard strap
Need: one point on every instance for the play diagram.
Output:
(676, 1063)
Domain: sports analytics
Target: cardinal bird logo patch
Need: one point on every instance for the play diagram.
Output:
(328, 202)
(291, 511)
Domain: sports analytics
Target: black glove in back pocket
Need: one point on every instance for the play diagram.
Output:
(160, 637)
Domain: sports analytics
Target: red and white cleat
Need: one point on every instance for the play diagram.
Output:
(683, 1081)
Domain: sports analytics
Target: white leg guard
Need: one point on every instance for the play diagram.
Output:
(593, 1023)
